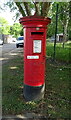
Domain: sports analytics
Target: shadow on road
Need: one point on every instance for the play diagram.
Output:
(27, 116)
(25, 119)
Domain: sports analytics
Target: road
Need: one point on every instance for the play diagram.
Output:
(8, 51)
(6, 48)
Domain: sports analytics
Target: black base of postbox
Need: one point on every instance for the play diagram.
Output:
(32, 93)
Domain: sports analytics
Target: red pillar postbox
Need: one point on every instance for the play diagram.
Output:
(34, 55)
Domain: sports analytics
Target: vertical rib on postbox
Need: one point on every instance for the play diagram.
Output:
(34, 56)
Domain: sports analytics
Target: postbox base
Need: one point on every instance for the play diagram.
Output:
(32, 93)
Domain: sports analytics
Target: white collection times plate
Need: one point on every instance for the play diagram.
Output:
(37, 46)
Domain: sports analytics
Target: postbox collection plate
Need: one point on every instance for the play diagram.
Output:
(37, 46)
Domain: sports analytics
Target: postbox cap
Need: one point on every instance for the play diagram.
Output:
(33, 21)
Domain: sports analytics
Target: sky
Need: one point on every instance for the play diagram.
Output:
(7, 14)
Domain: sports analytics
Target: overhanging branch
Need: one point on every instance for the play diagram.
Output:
(27, 8)
(20, 8)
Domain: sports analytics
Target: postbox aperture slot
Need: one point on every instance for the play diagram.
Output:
(36, 33)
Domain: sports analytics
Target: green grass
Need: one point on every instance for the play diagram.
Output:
(62, 54)
(56, 103)
(58, 90)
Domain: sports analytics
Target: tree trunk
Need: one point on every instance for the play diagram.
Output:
(37, 8)
(65, 32)
(54, 55)
(20, 8)
(45, 8)
(40, 9)
(27, 8)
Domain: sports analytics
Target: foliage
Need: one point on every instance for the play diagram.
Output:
(4, 27)
(44, 9)
(16, 30)
(63, 16)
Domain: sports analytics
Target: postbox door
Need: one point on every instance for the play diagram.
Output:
(35, 59)
(39, 50)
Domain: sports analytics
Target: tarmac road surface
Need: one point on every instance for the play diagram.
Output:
(6, 48)
(8, 51)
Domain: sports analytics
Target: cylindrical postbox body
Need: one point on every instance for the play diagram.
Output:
(34, 55)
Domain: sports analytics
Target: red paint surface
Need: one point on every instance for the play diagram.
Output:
(34, 69)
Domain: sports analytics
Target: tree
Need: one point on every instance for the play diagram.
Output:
(64, 17)
(64, 22)
(4, 27)
(16, 30)
(28, 8)
(69, 24)
(42, 9)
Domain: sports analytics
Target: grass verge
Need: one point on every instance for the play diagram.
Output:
(56, 103)
(62, 54)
